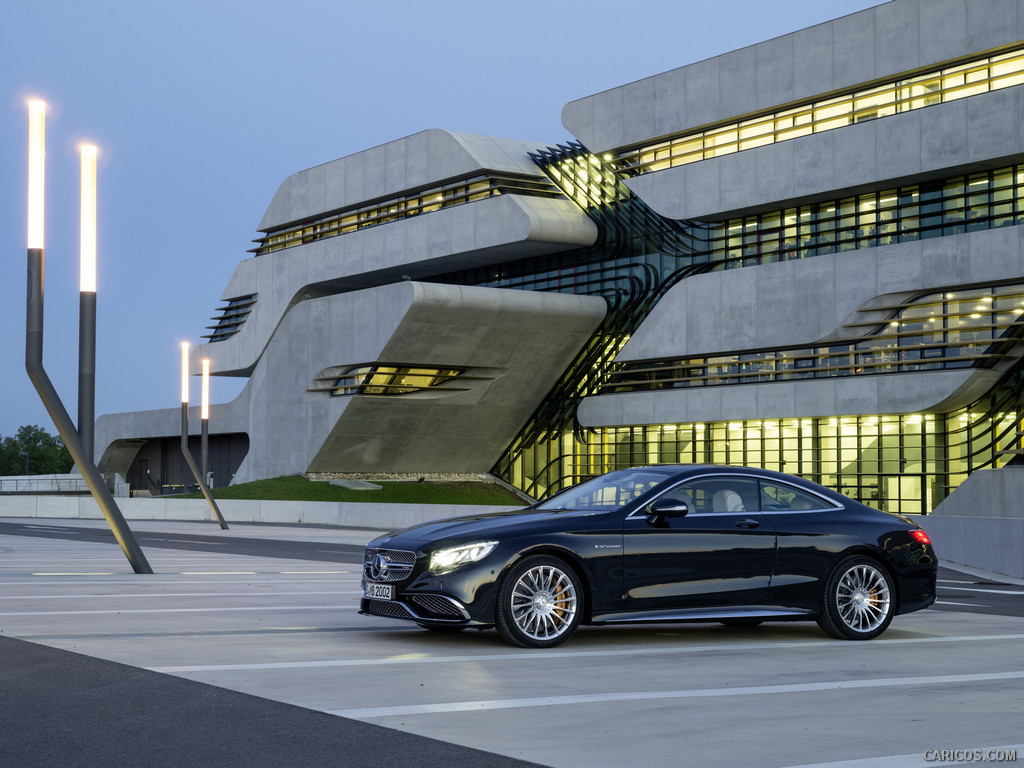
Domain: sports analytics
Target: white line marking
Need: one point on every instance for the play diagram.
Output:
(596, 698)
(189, 610)
(990, 591)
(554, 655)
(968, 605)
(186, 541)
(181, 582)
(267, 593)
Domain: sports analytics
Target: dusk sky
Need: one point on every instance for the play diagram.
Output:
(201, 109)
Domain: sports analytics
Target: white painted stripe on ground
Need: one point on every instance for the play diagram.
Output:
(916, 760)
(989, 591)
(187, 610)
(267, 593)
(968, 605)
(62, 581)
(696, 693)
(535, 655)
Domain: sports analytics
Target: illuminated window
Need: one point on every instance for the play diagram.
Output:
(390, 380)
(409, 204)
(916, 92)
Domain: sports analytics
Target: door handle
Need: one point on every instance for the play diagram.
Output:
(748, 523)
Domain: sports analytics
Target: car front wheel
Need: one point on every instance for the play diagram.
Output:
(859, 600)
(540, 603)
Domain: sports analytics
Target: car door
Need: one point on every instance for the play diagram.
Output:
(721, 553)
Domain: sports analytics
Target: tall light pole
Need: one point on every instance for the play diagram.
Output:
(184, 437)
(87, 304)
(34, 345)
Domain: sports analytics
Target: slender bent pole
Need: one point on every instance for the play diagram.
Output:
(65, 426)
(204, 449)
(87, 371)
(195, 470)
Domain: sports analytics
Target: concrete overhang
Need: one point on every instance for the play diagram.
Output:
(424, 159)
(513, 344)
(478, 234)
(871, 46)
(931, 391)
(741, 310)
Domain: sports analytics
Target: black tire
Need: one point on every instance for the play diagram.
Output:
(859, 600)
(741, 622)
(540, 603)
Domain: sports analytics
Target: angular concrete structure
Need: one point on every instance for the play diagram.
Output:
(805, 255)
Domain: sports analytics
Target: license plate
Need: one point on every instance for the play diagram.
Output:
(380, 591)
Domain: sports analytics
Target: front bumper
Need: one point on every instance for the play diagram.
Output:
(419, 607)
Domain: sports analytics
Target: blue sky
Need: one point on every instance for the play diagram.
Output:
(202, 108)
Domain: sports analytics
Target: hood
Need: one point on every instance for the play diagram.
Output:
(459, 530)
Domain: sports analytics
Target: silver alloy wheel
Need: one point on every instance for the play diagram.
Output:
(543, 602)
(862, 598)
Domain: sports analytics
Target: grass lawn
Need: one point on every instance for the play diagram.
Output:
(298, 488)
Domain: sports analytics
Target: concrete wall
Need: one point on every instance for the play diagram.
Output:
(993, 544)
(870, 45)
(811, 398)
(516, 342)
(355, 514)
(429, 157)
(981, 524)
(476, 234)
(987, 493)
(802, 301)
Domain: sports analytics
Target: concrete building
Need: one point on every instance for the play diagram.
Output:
(804, 255)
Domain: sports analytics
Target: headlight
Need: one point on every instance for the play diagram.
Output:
(453, 557)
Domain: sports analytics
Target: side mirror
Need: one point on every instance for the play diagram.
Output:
(667, 506)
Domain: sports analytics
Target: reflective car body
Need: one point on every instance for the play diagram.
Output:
(657, 544)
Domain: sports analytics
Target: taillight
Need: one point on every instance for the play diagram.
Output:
(920, 536)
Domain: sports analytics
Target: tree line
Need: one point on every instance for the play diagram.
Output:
(47, 453)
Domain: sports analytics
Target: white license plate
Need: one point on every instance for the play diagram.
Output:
(380, 591)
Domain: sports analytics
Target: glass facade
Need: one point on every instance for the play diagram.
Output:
(900, 462)
(405, 205)
(378, 379)
(948, 83)
(937, 331)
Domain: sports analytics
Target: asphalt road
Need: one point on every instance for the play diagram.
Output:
(245, 648)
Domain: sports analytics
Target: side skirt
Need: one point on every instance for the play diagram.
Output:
(703, 614)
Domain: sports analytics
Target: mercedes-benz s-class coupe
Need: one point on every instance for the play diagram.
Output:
(657, 544)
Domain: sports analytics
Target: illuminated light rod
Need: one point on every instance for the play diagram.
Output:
(34, 347)
(87, 303)
(88, 219)
(184, 438)
(36, 174)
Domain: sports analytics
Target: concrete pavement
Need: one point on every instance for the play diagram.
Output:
(230, 625)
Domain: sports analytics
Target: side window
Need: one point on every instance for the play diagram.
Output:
(718, 494)
(779, 497)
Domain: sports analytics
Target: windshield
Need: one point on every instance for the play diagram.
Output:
(607, 492)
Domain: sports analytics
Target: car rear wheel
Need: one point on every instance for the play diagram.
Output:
(859, 600)
(540, 603)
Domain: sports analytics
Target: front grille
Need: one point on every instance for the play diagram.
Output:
(438, 606)
(387, 608)
(388, 564)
